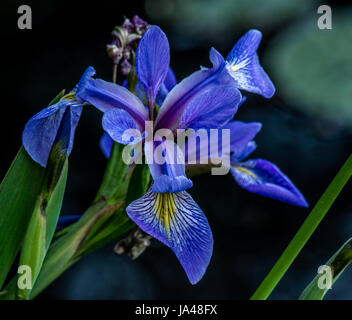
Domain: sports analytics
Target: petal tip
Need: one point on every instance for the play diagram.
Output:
(87, 75)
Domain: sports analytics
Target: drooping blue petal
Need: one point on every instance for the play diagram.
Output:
(243, 65)
(116, 122)
(176, 220)
(184, 93)
(41, 131)
(263, 177)
(75, 115)
(241, 133)
(243, 152)
(107, 96)
(152, 61)
(106, 144)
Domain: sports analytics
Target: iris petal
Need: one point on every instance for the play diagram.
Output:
(167, 167)
(152, 61)
(107, 96)
(263, 177)
(176, 220)
(243, 65)
(106, 144)
(243, 152)
(75, 115)
(191, 88)
(241, 133)
(170, 79)
(40, 132)
(116, 122)
(212, 108)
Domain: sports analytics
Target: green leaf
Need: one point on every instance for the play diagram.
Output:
(337, 264)
(304, 232)
(18, 194)
(44, 219)
(83, 237)
(63, 250)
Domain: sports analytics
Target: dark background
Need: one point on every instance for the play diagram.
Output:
(250, 231)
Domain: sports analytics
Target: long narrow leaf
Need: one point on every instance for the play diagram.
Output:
(18, 194)
(319, 286)
(44, 219)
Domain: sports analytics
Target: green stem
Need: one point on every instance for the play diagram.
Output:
(305, 232)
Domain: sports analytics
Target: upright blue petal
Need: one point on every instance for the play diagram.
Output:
(263, 177)
(106, 144)
(152, 61)
(116, 122)
(212, 108)
(41, 130)
(191, 88)
(176, 220)
(167, 167)
(107, 96)
(243, 65)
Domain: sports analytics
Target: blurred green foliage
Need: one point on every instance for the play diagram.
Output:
(204, 21)
(312, 68)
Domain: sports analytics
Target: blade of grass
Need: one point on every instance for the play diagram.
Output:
(305, 232)
(336, 264)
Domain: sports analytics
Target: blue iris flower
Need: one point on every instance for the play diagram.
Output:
(56, 123)
(207, 99)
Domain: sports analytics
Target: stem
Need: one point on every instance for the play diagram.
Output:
(114, 73)
(304, 233)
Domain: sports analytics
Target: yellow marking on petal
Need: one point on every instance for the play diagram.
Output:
(234, 68)
(250, 173)
(165, 209)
